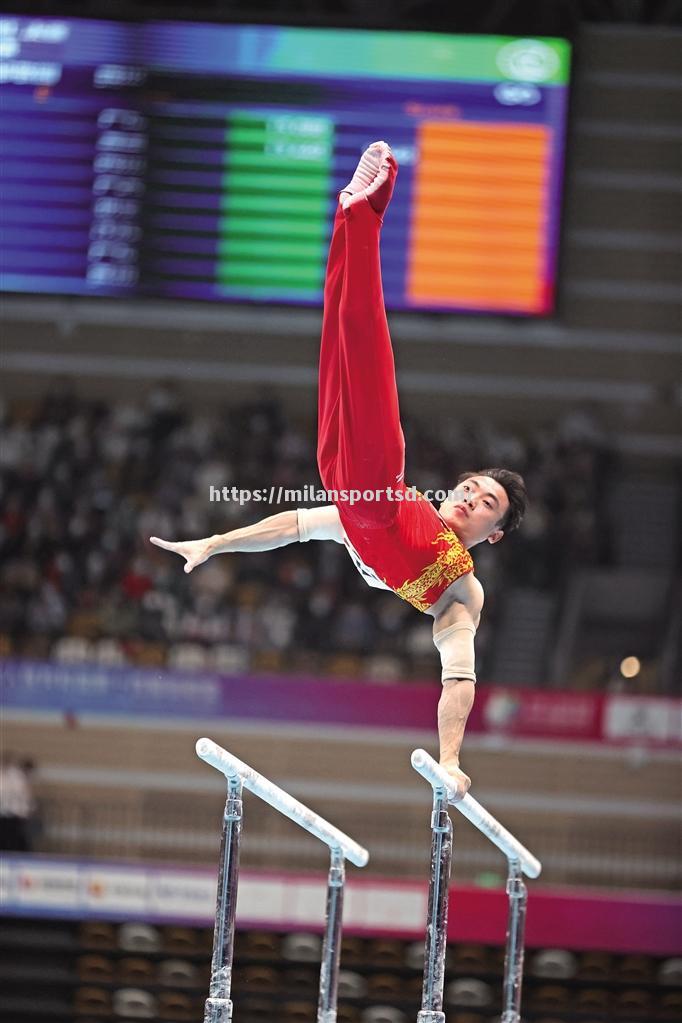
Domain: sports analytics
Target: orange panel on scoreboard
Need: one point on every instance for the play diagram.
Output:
(478, 229)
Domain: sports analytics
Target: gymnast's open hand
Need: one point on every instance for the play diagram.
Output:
(195, 552)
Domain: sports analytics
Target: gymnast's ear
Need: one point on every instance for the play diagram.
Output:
(496, 536)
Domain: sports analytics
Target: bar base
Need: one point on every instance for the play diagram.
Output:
(326, 1016)
(510, 1016)
(218, 1010)
(430, 1016)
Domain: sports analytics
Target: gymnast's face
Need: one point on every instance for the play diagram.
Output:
(474, 510)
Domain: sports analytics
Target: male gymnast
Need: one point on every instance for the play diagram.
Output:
(397, 543)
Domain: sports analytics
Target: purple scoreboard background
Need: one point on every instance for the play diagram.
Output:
(202, 161)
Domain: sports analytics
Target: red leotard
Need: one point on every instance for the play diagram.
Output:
(360, 440)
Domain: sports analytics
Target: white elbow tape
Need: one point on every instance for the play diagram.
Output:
(456, 648)
(319, 524)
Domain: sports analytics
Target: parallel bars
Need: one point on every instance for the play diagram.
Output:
(520, 861)
(218, 1008)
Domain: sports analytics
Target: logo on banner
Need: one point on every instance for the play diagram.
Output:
(528, 60)
(501, 711)
(657, 721)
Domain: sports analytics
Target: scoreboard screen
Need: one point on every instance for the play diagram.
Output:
(198, 161)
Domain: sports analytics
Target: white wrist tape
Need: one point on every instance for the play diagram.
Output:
(456, 648)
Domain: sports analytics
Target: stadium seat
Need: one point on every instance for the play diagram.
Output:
(181, 940)
(670, 1005)
(636, 968)
(92, 1001)
(259, 945)
(595, 966)
(135, 970)
(302, 947)
(177, 973)
(138, 937)
(72, 650)
(146, 654)
(385, 986)
(383, 668)
(297, 1012)
(353, 951)
(495, 958)
(351, 984)
(95, 968)
(177, 1006)
(386, 952)
(262, 978)
(228, 658)
(134, 1003)
(267, 662)
(550, 997)
(670, 971)
(252, 1005)
(414, 986)
(300, 981)
(382, 1014)
(414, 955)
(108, 652)
(553, 964)
(348, 1014)
(469, 992)
(343, 666)
(469, 959)
(187, 657)
(637, 1002)
(597, 1000)
(96, 934)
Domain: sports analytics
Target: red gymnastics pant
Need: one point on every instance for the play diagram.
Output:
(360, 440)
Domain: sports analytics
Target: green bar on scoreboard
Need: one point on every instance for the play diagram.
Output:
(276, 184)
(272, 276)
(251, 162)
(278, 248)
(269, 181)
(239, 204)
(274, 226)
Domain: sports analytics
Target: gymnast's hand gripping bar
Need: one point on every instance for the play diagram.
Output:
(236, 769)
(440, 780)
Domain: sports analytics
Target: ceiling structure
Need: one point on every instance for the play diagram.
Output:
(497, 16)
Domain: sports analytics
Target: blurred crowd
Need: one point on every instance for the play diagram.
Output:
(85, 483)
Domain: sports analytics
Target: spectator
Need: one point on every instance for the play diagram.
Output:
(17, 805)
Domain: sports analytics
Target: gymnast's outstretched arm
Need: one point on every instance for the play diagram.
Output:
(268, 534)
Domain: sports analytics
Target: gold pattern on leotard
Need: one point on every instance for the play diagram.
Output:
(450, 564)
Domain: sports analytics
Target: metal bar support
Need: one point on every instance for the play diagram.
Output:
(513, 958)
(437, 920)
(331, 947)
(218, 1006)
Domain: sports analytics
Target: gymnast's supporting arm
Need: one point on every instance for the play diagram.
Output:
(454, 706)
(455, 645)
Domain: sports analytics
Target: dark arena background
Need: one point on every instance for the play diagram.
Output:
(169, 178)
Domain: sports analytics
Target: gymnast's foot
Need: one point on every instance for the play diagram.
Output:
(374, 179)
(460, 780)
